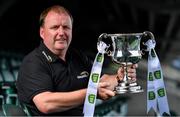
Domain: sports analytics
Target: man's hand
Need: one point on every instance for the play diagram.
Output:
(106, 86)
(104, 92)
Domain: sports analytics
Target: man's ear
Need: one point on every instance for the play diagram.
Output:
(41, 32)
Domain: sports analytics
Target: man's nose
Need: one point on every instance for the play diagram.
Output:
(61, 30)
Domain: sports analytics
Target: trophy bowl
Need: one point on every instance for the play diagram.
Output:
(125, 50)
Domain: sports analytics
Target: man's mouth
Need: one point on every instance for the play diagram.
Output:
(60, 40)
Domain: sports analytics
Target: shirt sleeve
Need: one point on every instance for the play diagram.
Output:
(34, 77)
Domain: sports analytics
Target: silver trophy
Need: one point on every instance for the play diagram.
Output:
(125, 50)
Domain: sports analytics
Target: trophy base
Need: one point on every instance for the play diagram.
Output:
(126, 87)
(135, 88)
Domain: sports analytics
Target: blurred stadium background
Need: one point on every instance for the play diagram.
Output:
(19, 35)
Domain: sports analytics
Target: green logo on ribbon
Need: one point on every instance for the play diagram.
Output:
(99, 58)
(95, 77)
(161, 92)
(150, 76)
(151, 95)
(91, 98)
(157, 74)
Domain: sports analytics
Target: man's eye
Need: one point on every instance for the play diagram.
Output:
(66, 27)
(55, 27)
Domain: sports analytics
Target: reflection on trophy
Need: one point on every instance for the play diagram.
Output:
(124, 49)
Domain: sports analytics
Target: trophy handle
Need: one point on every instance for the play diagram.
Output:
(104, 38)
(148, 33)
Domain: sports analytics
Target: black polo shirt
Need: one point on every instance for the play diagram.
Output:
(41, 71)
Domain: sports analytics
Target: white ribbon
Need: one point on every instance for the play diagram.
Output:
(91, 93)
(156, 92)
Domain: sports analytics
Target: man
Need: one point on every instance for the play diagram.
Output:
(53, 78)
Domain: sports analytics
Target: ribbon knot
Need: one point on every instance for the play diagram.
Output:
(101, 46)
(150, 44)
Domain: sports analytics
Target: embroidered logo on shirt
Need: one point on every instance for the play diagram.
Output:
(83, 75)
(47, 56)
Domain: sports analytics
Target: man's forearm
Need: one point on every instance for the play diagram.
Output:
(48, 102)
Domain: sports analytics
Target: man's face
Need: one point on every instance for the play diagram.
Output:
(57, 31)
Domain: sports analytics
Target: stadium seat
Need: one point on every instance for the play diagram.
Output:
(12, 110)
(26, 110)
(12, 99)
(2, 100)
